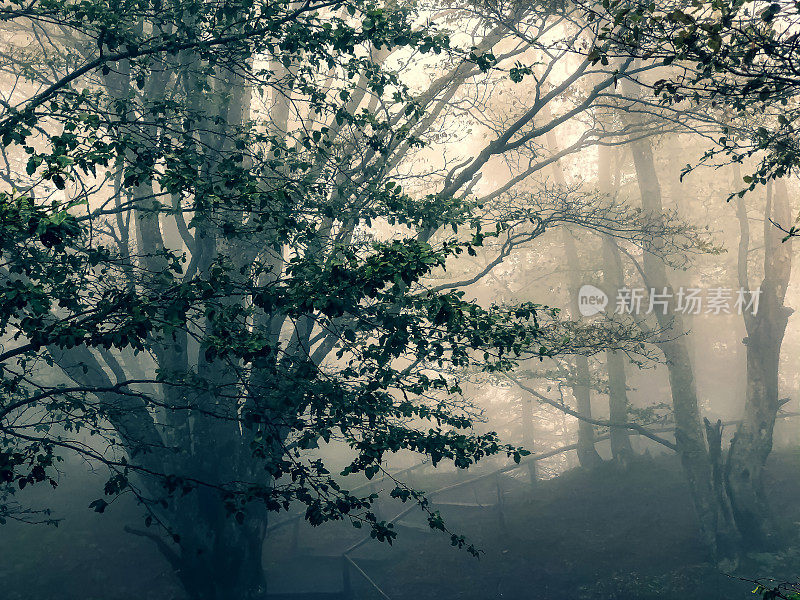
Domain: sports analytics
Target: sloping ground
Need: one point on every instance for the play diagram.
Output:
(603, 535)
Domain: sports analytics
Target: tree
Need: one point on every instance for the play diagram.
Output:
(613, 280)
(213, 216)
(736, 58)
(752, 442)
(204, 272)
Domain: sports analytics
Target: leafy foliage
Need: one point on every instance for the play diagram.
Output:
(212, 281)
(736, 57)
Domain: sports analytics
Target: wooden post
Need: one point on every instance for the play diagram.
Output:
(294, 545)
(500, 516)
(347, 588)
(528, 437)
(376, 507)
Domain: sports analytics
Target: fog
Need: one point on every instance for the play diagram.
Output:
(345, 300)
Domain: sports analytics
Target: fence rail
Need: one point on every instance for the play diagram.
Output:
(348, 563)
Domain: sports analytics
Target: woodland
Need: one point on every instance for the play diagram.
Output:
(382, 299)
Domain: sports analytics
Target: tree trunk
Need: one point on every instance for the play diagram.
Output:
(613, 280)
(716, 528)
(226, 563)
(621, 448)
(752, 442)
(587, 453)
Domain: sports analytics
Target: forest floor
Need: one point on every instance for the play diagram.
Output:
(601, 535)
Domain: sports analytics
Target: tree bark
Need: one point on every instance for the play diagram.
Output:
(613, 280)
(227, 563)
(717, 530)
(752, 442)
(588, 456)
(587, 453)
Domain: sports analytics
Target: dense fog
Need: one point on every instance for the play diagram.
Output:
(355, 300)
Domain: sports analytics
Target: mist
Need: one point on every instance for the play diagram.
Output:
(353, 300)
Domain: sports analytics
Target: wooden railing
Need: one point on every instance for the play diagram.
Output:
(349, 564)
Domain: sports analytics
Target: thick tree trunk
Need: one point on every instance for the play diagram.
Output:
(752, 442)
(751, 445)
(716, 528)
(222, 558)
(713, 513)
